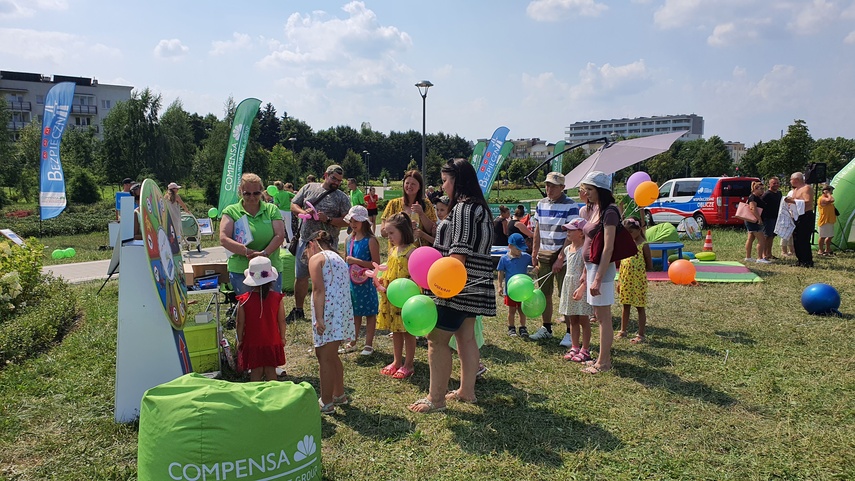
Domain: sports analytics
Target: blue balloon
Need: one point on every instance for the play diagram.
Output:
(821, 299)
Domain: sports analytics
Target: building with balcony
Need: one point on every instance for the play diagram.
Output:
(736, 151)
(637, 127)
(24, 94)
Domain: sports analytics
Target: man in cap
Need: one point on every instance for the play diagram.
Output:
(550, 238)
(331, 205)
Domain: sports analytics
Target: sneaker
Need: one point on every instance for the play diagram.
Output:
(512, 331)
(294, 315)
(541, 333)
(749, 259)
(566, 342)
(764, 261)
(523, 331)
(481, 370)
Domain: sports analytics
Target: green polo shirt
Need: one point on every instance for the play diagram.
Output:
(261, 226)
(283, 199)
(357, 197)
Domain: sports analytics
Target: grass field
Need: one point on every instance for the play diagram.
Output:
(736, 382)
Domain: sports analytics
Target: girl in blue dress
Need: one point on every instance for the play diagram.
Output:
(362, 249)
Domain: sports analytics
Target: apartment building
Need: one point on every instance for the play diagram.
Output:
(637, 127)
(25, 94)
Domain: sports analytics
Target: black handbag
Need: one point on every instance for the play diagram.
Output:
(295, 239)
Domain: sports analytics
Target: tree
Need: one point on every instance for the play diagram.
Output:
(664, 166)
(749, 165)
(713, 159)
(81, 148)
(354, 166)
(132, 139)
(6, 145)
(313, 161)
(283, 165)
(519, 168)
(180, 144)
(269, 125)
(83, 187)
(412, 165)
(796, 147)
(26, 163)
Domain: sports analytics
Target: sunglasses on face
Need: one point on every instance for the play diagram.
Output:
(256, 193)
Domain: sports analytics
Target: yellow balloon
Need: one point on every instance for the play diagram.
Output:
(646, 193)
(446, 277)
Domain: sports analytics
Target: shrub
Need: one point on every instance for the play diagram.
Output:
(76, 219)
(20, 270)
(83, 188)
(37, 326)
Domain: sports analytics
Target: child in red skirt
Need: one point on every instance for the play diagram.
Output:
(260, 322)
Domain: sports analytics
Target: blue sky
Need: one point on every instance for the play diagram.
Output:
(749, 67)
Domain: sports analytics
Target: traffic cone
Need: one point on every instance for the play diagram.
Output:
(708, 242)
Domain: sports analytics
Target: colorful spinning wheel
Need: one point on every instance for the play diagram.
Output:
(164, 254)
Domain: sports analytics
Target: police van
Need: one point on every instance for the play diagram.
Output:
(709, 200)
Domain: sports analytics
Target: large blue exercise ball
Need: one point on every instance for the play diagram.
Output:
(821, 299)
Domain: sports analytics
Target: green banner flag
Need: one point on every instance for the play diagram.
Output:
(477, 153)
(233, 166)
(558, 162)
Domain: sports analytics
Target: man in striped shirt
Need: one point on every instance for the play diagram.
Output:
(548, 246)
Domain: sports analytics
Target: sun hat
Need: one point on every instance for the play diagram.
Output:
(516, 239)
(598, 179)
(260, 272)
(575, 224)
(556, 178)
(173, 185)
(358, 213)
(135, 186)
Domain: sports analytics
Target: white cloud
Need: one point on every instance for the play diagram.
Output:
(170, 49)
(354, 51)
(59, 48)
(738, 32)
(595, 83)
(783, 87)
(850, 39)
(28, 8)
(556, 10)
(676, 13)
(240, 41)
(812, 17)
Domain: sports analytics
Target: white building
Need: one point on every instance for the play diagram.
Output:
(637, 127)
(25, 94)
(736, 151)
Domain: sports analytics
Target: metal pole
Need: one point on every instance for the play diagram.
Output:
(424, 154)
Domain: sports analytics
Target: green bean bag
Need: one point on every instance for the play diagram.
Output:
(662, 233)
(705, 256)
(199, 428)
(286, 270)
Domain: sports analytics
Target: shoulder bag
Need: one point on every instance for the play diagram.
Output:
(743, 212)
(292, 246)
(624, 244)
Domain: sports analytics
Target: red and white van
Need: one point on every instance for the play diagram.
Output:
(710, 200)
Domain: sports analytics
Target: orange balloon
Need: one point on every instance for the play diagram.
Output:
(446, 277)
(646, 193)
(681, 272)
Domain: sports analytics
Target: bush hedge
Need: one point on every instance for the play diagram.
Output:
(20, 273)
(37, 326)
(76, 219)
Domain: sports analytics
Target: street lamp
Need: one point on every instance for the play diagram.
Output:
(424, 84)
(368, 165)
(293, 140)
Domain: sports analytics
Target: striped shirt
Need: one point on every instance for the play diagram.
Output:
(551, 217)
(468, 231)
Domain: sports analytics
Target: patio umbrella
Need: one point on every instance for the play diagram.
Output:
(610, 158)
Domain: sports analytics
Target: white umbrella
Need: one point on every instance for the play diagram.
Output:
(610, 158)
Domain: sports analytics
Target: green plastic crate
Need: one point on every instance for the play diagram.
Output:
(205, 361)
(200, 337)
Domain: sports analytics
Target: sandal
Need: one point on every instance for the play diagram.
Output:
(389, 370)
(582, 356)
(431, 407)
(595, 370)
(569, 355)
(638, 339)
(347, 348)
(455, 396)
(620, 335)
(326, 408)
(367, 351)
(403, 373)
(342, 400)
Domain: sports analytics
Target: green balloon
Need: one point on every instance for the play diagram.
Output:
(70, 252)
(419, 315)
(272, 190)
(212, 212)
(520, 287)
(57, 254)
(400, 290)
(535, 305)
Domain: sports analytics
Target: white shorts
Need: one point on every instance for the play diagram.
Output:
(607, 286)
(826, 230)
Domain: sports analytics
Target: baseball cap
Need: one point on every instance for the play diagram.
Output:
(517, 240)
(556, 178)
(335, 169)
(358, 213)
(127, 181)
(173, 185)
(575, 224)
(598, 179)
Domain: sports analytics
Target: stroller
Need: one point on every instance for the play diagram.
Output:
(190, 232)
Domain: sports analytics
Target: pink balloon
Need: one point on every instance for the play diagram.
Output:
(420, 261)
(634, 181)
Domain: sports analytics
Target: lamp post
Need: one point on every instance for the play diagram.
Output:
(423, 87)
(293, 140)
(368, 165)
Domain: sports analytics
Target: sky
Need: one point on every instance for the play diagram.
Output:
(749, 67)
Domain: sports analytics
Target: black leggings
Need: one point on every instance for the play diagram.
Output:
(801, 238)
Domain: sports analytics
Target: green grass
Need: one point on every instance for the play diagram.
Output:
(736, 382)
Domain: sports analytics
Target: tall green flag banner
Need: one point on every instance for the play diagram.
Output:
(233, 166)
(558, 162)
(478, 153)
(500, 159)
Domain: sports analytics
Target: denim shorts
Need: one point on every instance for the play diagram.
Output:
(769, 228)
(450, 319)
(301, 267)
(753, 226)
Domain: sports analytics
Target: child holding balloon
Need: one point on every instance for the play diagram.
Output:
(399, 230)
(516, 261)
(632, 281)
(363, 251)
(573, 303)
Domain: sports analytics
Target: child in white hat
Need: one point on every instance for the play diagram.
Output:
(260, 322)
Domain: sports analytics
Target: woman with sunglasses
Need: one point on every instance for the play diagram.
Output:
(266, 231)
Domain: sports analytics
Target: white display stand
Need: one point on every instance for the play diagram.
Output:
(146, 352)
